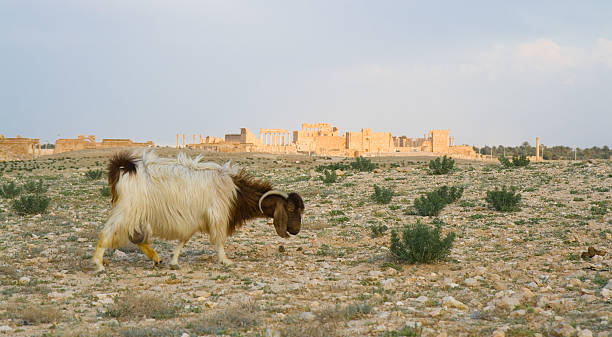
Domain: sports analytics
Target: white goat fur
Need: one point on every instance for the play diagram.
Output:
(171, 199)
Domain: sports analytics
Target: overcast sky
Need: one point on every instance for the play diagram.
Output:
(493, 72)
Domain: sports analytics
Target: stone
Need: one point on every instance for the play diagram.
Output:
(606, 293)
(585, 333)
(421, 299)
(119, 254)
(5, 328)
(388, 284)
(308, 316)
(339, 173)
(498, 333)
(24, 280)
(509, 302)
(451, 302)
(470, 282)
(375, 274)
(563, 330)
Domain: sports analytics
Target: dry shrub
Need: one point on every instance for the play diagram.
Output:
(33, 313)
(139, 306)
(240, 316)
(327, 321)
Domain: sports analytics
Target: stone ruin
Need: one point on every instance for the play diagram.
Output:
(324, 139)
(86, 143)
(19, 147)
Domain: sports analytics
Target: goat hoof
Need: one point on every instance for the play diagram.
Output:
(159, 264)
(174, 266)
(99, 271)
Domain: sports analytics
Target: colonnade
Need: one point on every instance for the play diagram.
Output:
(275, 137)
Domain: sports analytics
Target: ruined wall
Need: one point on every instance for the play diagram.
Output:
(19, 147)
(88, 143)
(368, 141)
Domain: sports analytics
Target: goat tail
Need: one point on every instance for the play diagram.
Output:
(120, 163)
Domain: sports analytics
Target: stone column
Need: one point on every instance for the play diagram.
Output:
(178, 144)
(537, 148)
(184, 139)
(194, 135)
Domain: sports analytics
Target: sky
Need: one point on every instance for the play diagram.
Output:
(493, 72)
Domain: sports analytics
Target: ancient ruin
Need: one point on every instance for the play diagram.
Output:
(19, 147)
(84, 143)
(325, 140)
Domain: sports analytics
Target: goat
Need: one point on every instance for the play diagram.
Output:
(174, 198)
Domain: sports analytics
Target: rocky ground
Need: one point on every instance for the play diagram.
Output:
(509, 274)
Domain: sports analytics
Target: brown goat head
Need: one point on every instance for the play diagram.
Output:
(287, 213)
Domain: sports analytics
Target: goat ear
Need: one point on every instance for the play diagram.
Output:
(280, 220)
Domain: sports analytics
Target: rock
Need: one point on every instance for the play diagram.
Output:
(375, 274)
(509, 302)
(451, 302)
(562, 330)
(585, 333)
(339, 173)
(272, 333)
(532, 285)
(388, 284)
(498, 333)
(606, 293)
(5, 328)
(470, 282)
(59, 296)
(421, 299)
(81, 240)
(289, 263)
(24, 280)
(608, 285)
(119, 254)
(308, 316)
(575, 283)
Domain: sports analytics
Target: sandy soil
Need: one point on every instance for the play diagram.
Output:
(509, 274)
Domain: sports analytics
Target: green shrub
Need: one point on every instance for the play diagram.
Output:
(421, 243)
(105, 191)
(363, 165)
(30, 204)
(35, 187)
(504, 200)
(329, 177)
(333, 167)
(444, 166)
(10, 190)
(433, 202)
(378, 230)
(520, 161)
(505, 162)
(382, 195)
(94, 174)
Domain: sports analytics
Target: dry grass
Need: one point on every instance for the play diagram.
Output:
(143, 306)
(33, 314)
(241, 316)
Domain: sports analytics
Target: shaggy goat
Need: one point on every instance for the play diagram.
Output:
(175, 198)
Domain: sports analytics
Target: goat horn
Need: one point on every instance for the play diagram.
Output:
(269, 193)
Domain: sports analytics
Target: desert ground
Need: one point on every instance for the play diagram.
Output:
(521, 273)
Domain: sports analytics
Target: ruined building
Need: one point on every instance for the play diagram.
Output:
(325, 140)
(85, 143)
(19, 147)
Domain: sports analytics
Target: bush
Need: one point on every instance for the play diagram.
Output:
(10, 190)
(504, 200)
(382, 195)
(105, 191)
(94, 174)
(444, 166)
(330, 177)
(433, 202)
(421, 243)
(332, 167)
(35, 187)
(30, 204)
(520, 161)
(378, 230)
(363, 165)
